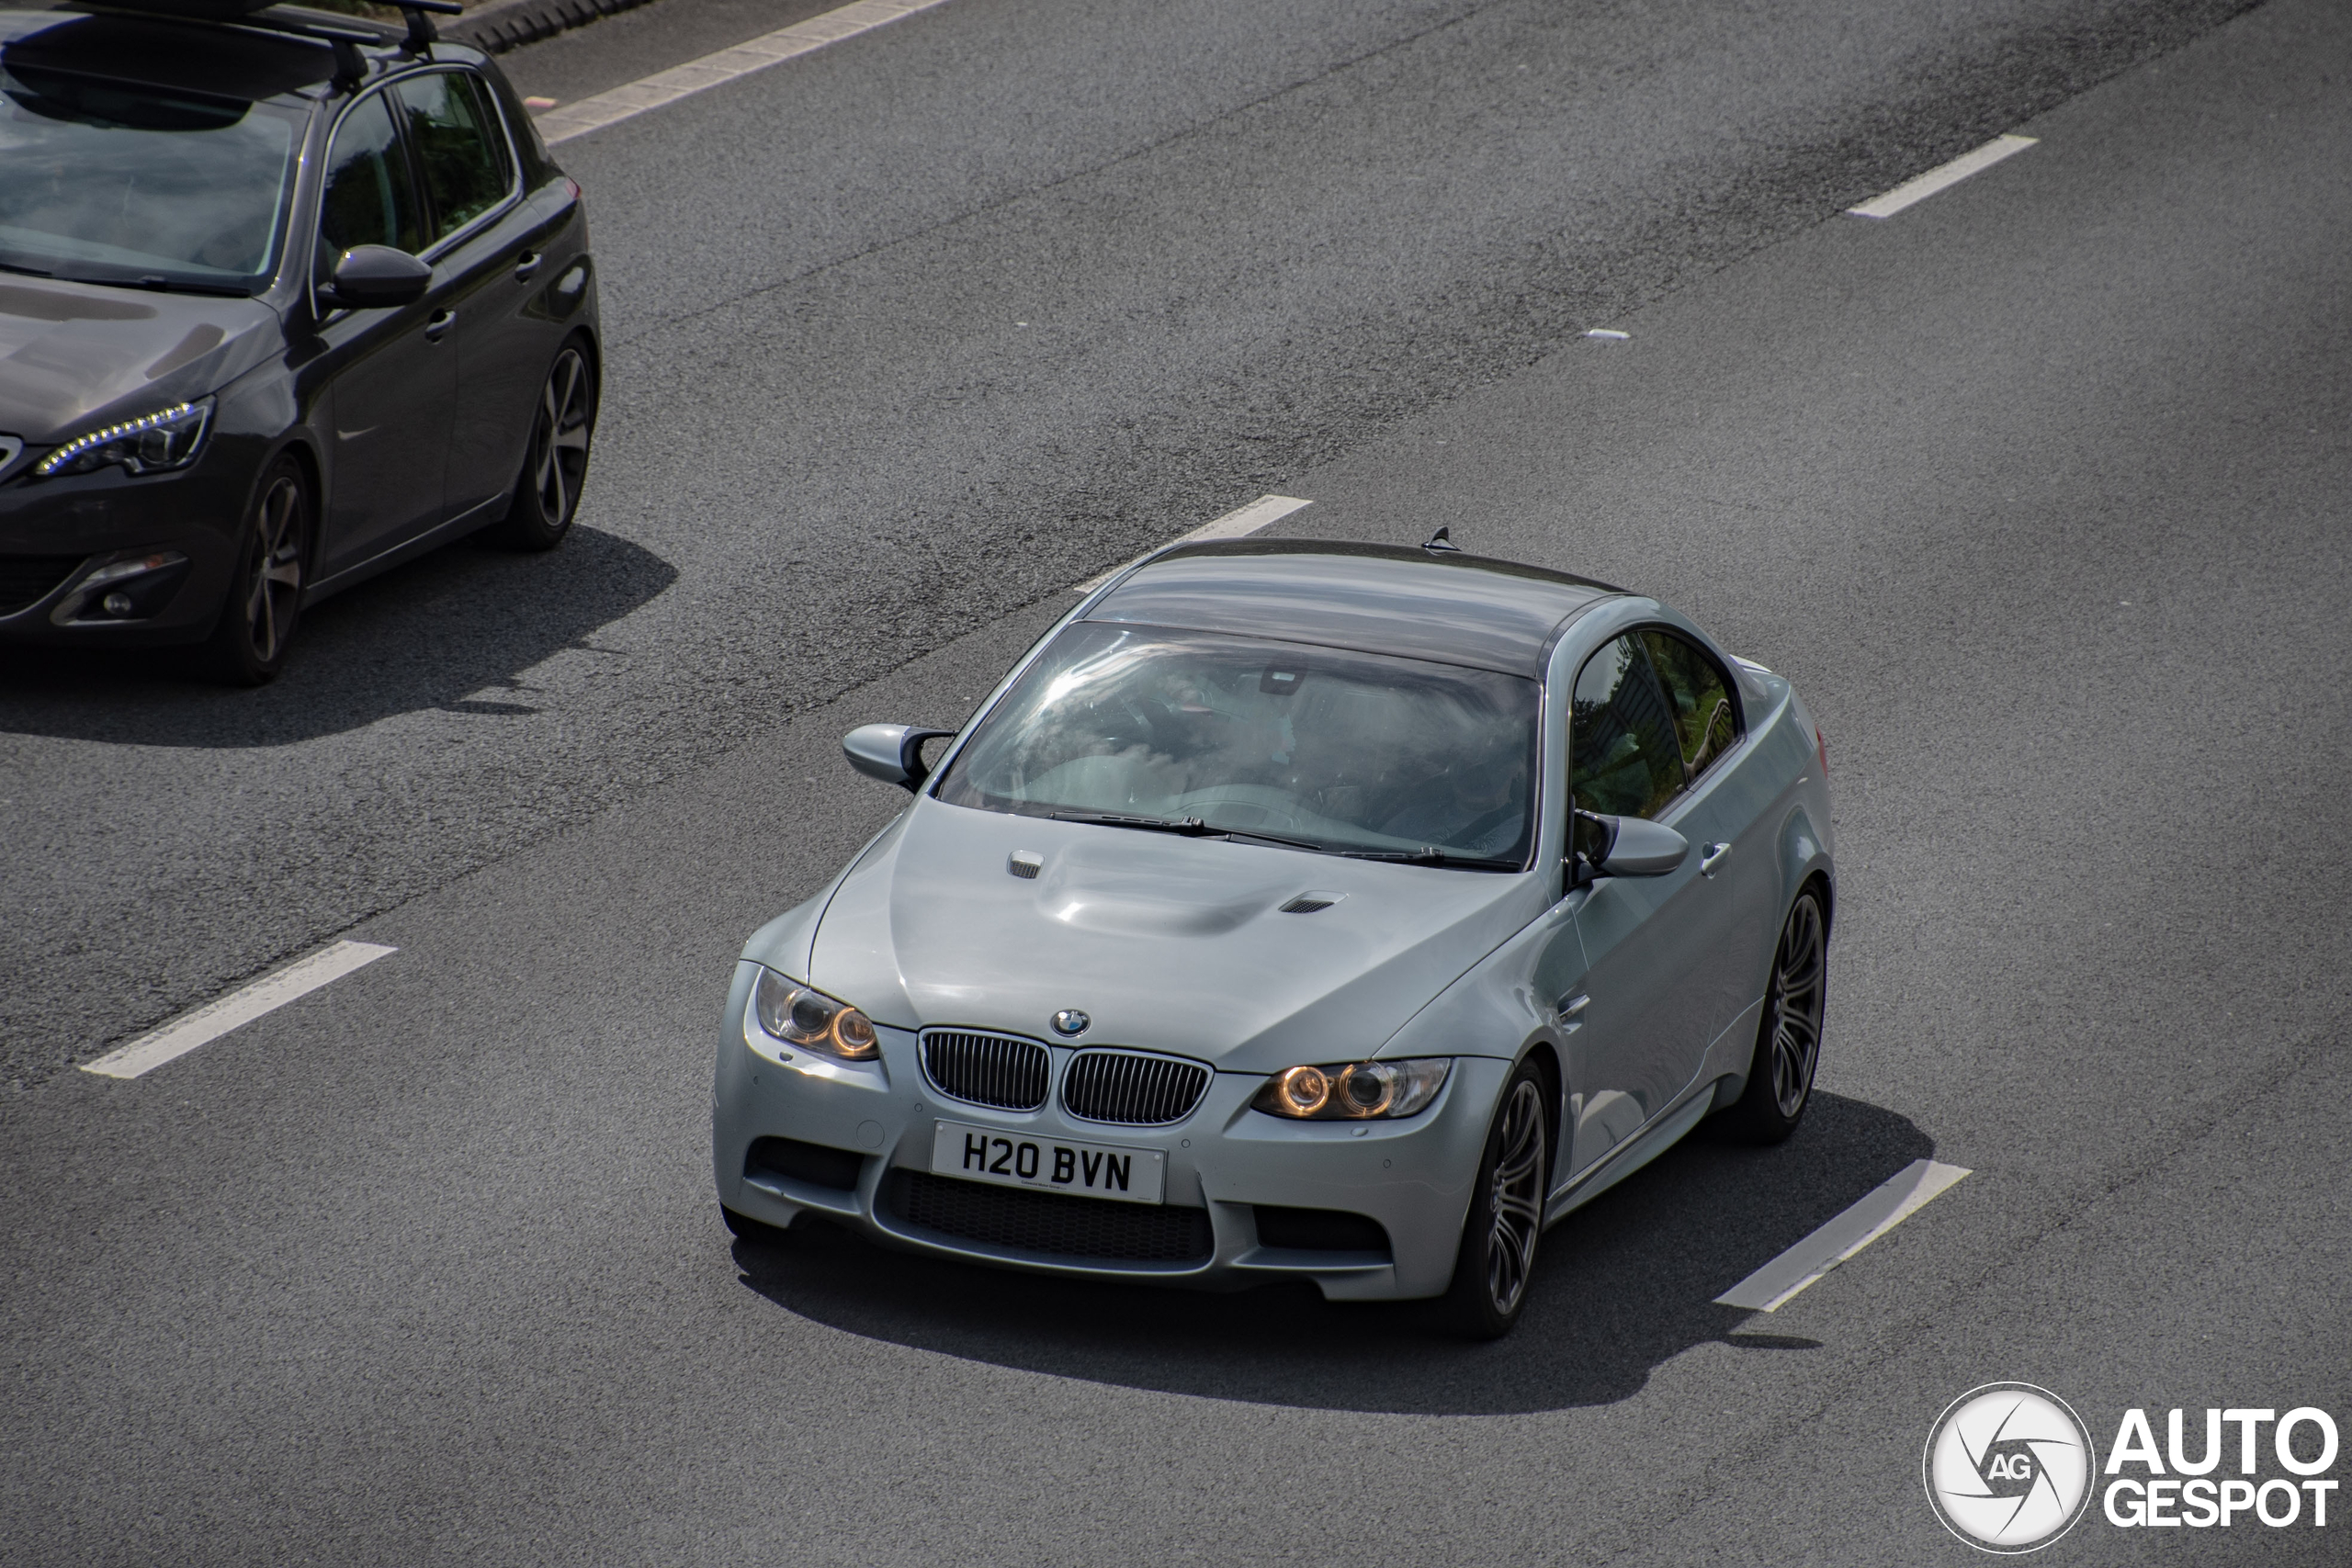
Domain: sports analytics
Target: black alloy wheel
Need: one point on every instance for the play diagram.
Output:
(256, 623)
(1788, 1038)
(1505, 1221)
(555, 462)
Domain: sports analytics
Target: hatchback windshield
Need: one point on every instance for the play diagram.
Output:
(114, 182)
(1347, 753)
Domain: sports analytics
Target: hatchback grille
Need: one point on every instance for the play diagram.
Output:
(1132, 1088)
(985, 1069)
(28, 579)
(1051, 1222)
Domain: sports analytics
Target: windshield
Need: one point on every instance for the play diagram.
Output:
(1347, 753)
(113, 182)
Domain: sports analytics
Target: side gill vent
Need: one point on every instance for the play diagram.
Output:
(1025, 864)
(1308, 903)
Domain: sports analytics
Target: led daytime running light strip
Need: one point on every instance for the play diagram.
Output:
(82, 444)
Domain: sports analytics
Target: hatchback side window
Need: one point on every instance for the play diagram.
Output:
(1624, 757)
(368, 200)
(458, 144)
(1706, 723)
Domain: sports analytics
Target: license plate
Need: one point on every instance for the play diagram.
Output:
(1047, 1165)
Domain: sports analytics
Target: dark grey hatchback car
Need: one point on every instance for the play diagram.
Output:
(285, 297)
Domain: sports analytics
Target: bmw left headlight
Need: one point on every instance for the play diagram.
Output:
(797, 1015)
(169, 438)
(1354, 1091)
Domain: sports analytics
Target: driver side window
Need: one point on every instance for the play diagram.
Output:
(369, 199)
(1623, 757)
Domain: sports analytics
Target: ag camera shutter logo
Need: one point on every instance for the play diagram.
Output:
(2008, 1468)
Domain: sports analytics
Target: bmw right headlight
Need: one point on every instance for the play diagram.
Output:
(792, 1013)
(1354, 1091)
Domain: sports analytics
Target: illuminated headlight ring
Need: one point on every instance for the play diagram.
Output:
(1354, 1091)
(149, 445)
(792, 1013)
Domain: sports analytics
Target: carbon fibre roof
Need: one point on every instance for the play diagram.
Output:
(1453, 608)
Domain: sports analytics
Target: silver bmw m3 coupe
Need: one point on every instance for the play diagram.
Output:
(1298, 909)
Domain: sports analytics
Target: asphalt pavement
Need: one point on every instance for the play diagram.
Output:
(2036, 490)
(910, 334)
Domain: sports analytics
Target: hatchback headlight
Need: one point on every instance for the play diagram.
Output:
(1354, 1091)
(798, 1016)
(170, 439)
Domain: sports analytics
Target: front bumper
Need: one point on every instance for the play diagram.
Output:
(1413, 1176)
(54, 534)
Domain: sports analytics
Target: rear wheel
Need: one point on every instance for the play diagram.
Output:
(1505, 1221)
(1788, 1040)
(555, 462)
(249, 641)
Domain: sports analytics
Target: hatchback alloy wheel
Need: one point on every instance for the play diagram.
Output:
(555, 463)
(258, 623)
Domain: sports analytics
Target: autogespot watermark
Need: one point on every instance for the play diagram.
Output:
(2009, 1468)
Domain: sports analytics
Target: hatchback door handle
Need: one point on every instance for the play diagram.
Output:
(525, 265)
(1712, 856)
(441, 322)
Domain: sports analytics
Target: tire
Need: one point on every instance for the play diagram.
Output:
(555, 460)
(1497, 1261)
(256, 623)
(1788, 1038)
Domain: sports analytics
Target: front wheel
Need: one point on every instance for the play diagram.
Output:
(1497, 1257)
(1788, 1040)
(250, 639)
(555, 463)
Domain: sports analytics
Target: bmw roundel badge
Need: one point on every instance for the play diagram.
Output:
(1070, 1024)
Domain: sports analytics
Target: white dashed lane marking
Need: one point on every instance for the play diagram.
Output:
(236, 1009)
(1941, 177)
(1893, 1201)
(634, 98)
(1234, 525)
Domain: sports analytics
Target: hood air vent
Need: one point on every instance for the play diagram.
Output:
(1025, 864)
(1308, 903)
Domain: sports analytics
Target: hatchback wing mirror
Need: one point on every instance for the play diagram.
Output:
(891, 752)
(375, 278)
(1622, 846)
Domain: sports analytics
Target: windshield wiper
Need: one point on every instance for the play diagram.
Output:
(1187, 827)
(1190, 826)
(27, 271)
(1429, 854)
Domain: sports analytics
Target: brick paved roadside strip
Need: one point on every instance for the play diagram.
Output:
(510, 23)
(621, 103)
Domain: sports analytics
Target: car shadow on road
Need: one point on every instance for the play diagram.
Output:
(450, 630)
(1622, 1284)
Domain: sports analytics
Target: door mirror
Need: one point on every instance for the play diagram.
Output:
(376, 278)
(1621, 846)
(891, 752)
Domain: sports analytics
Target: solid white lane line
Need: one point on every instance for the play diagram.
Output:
(1937, 178)
(1234, 525)
(580, 118)
(215, 1019)
(1893, 1201)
